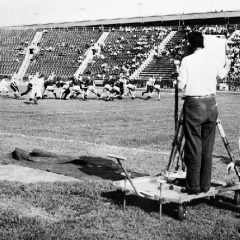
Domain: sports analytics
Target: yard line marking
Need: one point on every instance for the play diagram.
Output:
(120, 109)
(74, 140)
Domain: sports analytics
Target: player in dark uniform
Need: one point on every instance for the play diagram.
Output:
(118, 89)
(14, 87)
(29, 86)
(108, 86)
(65, 89)
(49, 87)
(77, 88)
(89, 86)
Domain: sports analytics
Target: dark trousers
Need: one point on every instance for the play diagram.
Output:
(199, 122)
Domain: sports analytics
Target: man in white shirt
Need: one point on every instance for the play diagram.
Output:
(198, 79)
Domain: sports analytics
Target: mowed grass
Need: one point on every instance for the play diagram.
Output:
(140, 130)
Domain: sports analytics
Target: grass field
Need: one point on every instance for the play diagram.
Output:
(140, 130)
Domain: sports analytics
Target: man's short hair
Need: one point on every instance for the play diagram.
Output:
(196, 39)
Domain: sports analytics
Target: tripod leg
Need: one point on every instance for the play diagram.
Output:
(180, 148)
(177, 141)
(226, 144)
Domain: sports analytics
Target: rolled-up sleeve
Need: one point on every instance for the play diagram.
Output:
(182, 76)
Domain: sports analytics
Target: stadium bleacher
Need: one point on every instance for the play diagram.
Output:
(162, 64)
(61, 52)
(234, 56)
(12, 46)
(125, 50)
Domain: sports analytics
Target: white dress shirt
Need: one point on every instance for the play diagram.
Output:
(198, 73)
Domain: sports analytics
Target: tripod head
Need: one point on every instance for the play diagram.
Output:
(177, 65)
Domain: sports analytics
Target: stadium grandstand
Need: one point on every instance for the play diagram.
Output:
(137, 47)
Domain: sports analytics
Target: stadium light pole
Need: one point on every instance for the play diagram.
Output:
(83, 13)
(140, 10)
(176, 64)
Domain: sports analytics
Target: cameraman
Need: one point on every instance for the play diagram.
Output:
(197, 78)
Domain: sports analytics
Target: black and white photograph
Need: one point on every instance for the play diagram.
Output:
(119, 119)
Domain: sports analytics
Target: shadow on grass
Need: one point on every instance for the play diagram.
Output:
(224, 203)
(101, 167)
(79, 167)
(170, 209)
(147, 205)
(223, 159)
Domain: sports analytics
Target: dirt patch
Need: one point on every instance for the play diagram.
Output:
(22, 174)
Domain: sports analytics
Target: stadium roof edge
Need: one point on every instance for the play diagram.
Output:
(132, 20)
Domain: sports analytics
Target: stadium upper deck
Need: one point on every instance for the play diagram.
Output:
(175, 20)
(63, 46)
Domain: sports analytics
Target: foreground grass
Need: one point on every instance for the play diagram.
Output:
(140, 130)
(93, 210)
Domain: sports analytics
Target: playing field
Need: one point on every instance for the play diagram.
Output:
(141, 130)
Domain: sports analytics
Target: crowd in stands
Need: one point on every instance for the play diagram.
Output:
(12, 46)
(175, 50)
(62, 51)
(209, 30)
(234, 55)
(125, 50)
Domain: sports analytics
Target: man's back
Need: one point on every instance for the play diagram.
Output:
(199, 71)
(199, 74)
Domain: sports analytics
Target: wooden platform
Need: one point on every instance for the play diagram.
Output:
(149, 187)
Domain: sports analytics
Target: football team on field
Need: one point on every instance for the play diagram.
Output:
(38, 88)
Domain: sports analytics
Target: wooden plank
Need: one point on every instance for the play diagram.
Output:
(148, 187)
(117, 157)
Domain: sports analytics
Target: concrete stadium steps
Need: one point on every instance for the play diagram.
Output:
(89, 54)
(67, 46)
(161, 66)
(28, 56)
(121, 48)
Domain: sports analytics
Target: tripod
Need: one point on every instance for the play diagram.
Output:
(177, 152)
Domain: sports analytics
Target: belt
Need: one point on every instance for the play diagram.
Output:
(200, 97)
